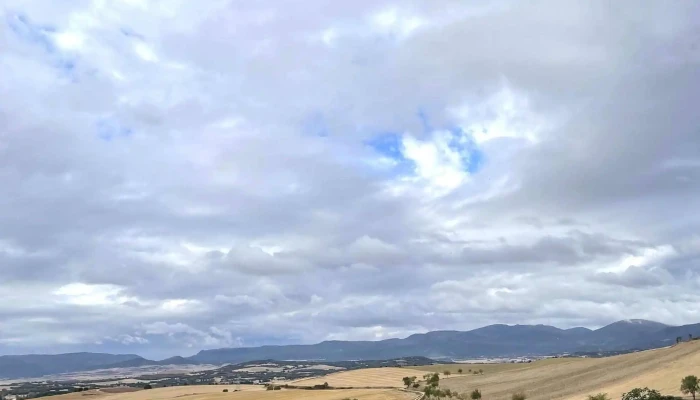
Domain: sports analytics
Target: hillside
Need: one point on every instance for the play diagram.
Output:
(575, 378)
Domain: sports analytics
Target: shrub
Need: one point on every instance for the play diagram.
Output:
(645, 394)
(599, 396)
(433, 379)
(519, 396)
(476, 394)
(147, 386)
(416, 385)
(408, 381)
(459, 371)
(225, 390)
(447, 373)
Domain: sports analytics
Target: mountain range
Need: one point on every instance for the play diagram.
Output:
(489, 341)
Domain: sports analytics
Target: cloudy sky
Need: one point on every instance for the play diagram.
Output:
(179, 175)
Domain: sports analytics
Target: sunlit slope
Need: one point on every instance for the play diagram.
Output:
(574, 379)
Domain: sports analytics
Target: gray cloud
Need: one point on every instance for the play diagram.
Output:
(179, 177)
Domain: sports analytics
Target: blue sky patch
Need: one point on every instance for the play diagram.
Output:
(39, 35)
(109, 129)
(387, 144)
(463, 142)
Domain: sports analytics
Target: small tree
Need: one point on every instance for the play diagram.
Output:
(599, 396)
(459, 371)
(447, 373)
(476, 394)
(408, 381)
(519, 396)
(690, 385)
(433, 380)
(481, 371)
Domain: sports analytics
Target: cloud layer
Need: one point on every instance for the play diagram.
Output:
(178, 176)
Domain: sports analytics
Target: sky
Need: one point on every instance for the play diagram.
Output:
(180, 175)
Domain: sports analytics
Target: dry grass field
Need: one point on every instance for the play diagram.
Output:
(488, 368)
(370, 377)
(574, 379)
(248, 392)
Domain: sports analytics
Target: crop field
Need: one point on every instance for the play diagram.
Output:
(248, 392)
(362, 378)
(575, 378)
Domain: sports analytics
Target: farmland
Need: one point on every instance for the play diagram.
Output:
(575, 378)
(361, 378)
(247, 392)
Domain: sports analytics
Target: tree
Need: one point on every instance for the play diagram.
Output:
(447, 373)
(519, 396)
(433, 380)
(690, 385)
(147, 386)
(599, 396)
(476, 394)
(408, 381)
(459, 371)
(642, 394)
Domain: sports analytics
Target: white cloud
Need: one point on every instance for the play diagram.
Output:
(83, 294)
(533, 174)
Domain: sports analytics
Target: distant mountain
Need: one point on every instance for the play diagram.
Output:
(32, 365)
(489, 341)
(177, 360)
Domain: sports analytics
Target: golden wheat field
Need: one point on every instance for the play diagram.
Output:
(247, 392)
(575, 378)
(360, 378)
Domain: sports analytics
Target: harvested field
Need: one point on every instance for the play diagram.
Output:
(575, 378)
(249, 392)
(363, 378)
(488, 368)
